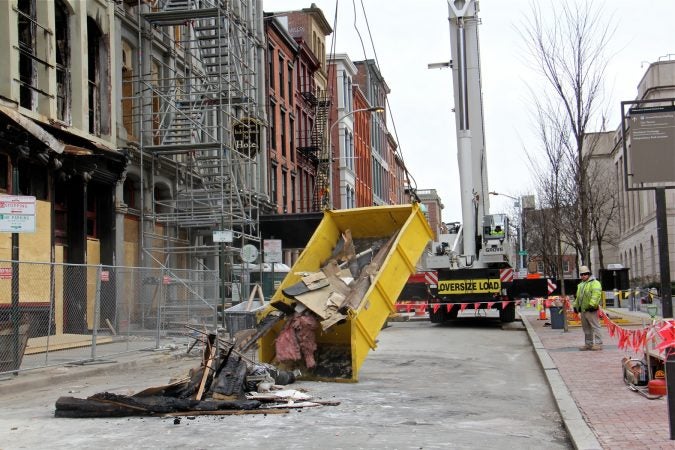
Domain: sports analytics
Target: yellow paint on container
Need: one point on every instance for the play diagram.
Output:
(357, 335)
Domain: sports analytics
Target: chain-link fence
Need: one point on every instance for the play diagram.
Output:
(63, 313)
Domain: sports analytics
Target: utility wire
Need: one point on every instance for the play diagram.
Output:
(391, 115)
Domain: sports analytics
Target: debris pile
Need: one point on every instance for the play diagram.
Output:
(326, 298)
(226, 382)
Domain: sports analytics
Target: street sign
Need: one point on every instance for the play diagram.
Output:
(522, 253)
(272, 251)
(249, 253)
(17, 214)
(222, 236)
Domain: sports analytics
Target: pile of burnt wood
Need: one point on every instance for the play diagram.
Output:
(227, 382)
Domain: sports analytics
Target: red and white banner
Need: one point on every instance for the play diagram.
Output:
(551, 286)
(506, 275)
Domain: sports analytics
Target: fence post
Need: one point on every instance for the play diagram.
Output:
(164, 290)
(97, 303)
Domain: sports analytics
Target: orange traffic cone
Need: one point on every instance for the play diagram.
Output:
(420, 310)
(542, 314)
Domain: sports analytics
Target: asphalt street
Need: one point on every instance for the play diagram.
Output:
(471, 385)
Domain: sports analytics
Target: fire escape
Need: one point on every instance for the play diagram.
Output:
(201, 127)
(315, 147)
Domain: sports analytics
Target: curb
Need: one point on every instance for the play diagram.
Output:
(580, 433)
(45, 376)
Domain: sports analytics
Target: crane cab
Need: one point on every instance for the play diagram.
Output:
(495, 239)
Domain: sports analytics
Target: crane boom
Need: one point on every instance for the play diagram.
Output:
(464, 47)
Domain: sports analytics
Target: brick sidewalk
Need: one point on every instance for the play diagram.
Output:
(619, 417)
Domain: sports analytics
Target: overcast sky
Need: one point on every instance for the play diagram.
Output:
(408, 35)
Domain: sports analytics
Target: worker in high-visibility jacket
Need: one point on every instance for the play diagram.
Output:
(586, 303)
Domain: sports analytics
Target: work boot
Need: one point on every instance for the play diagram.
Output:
(585, 348)
(596, 347)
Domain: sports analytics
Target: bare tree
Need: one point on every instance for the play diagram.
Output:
(568, 51)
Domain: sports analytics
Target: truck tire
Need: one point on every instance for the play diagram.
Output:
(508, 314)
(438, 316)
(442, 315)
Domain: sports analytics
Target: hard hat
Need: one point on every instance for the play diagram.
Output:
(584, 269)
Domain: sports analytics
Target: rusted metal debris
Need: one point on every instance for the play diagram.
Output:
(226, 382)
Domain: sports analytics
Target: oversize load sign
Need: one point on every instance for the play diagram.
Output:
(481, 286)
(652, 144)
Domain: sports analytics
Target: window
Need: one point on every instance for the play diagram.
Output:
(27, 29)
(291, 130)
(61, 33)
(130, 194)
(270, 66)
(93, 74)
(289, 81)
(127, 90)
(33, 180)
(284, 190)
(154, 79)
(273, 128)
(273, 183)
(293, 195)
(566, 266)
(282, 127)
(281, 76)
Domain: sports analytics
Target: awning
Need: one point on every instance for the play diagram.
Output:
(33, 128)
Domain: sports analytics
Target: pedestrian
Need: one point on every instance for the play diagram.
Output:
(586, 304)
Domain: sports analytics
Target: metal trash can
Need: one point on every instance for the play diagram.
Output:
(557, 317)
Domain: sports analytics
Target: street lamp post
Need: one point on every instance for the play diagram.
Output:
(330, 146)
(519, 204)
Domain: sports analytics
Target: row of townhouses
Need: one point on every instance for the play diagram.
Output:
(157, 134)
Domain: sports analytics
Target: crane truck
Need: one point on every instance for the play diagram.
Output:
(472, 265)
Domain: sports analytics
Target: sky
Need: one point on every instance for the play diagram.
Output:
(408, 35)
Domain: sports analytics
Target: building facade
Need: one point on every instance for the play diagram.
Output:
(363, 162)
(284, 171)
(637, 246)
(375, 89)
(309, 28)
(58, 146)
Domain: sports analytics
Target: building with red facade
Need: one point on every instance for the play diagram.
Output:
(362, 151)
(309, 28)
(282, 53)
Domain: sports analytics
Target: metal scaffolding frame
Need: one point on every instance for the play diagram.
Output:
(201, 130)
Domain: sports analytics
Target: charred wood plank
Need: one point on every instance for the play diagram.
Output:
(113, 405)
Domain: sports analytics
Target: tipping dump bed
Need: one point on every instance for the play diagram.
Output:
(342, 348)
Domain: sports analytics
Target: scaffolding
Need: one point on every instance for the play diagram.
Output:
(201, 125)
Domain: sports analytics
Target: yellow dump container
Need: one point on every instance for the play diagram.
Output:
(346, 345)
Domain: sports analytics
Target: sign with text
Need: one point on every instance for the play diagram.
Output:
(223, 236)
(247, 136)
(17, 214)
(652, 144)
(272, 251)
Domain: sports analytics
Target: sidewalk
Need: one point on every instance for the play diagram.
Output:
(597, 407)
